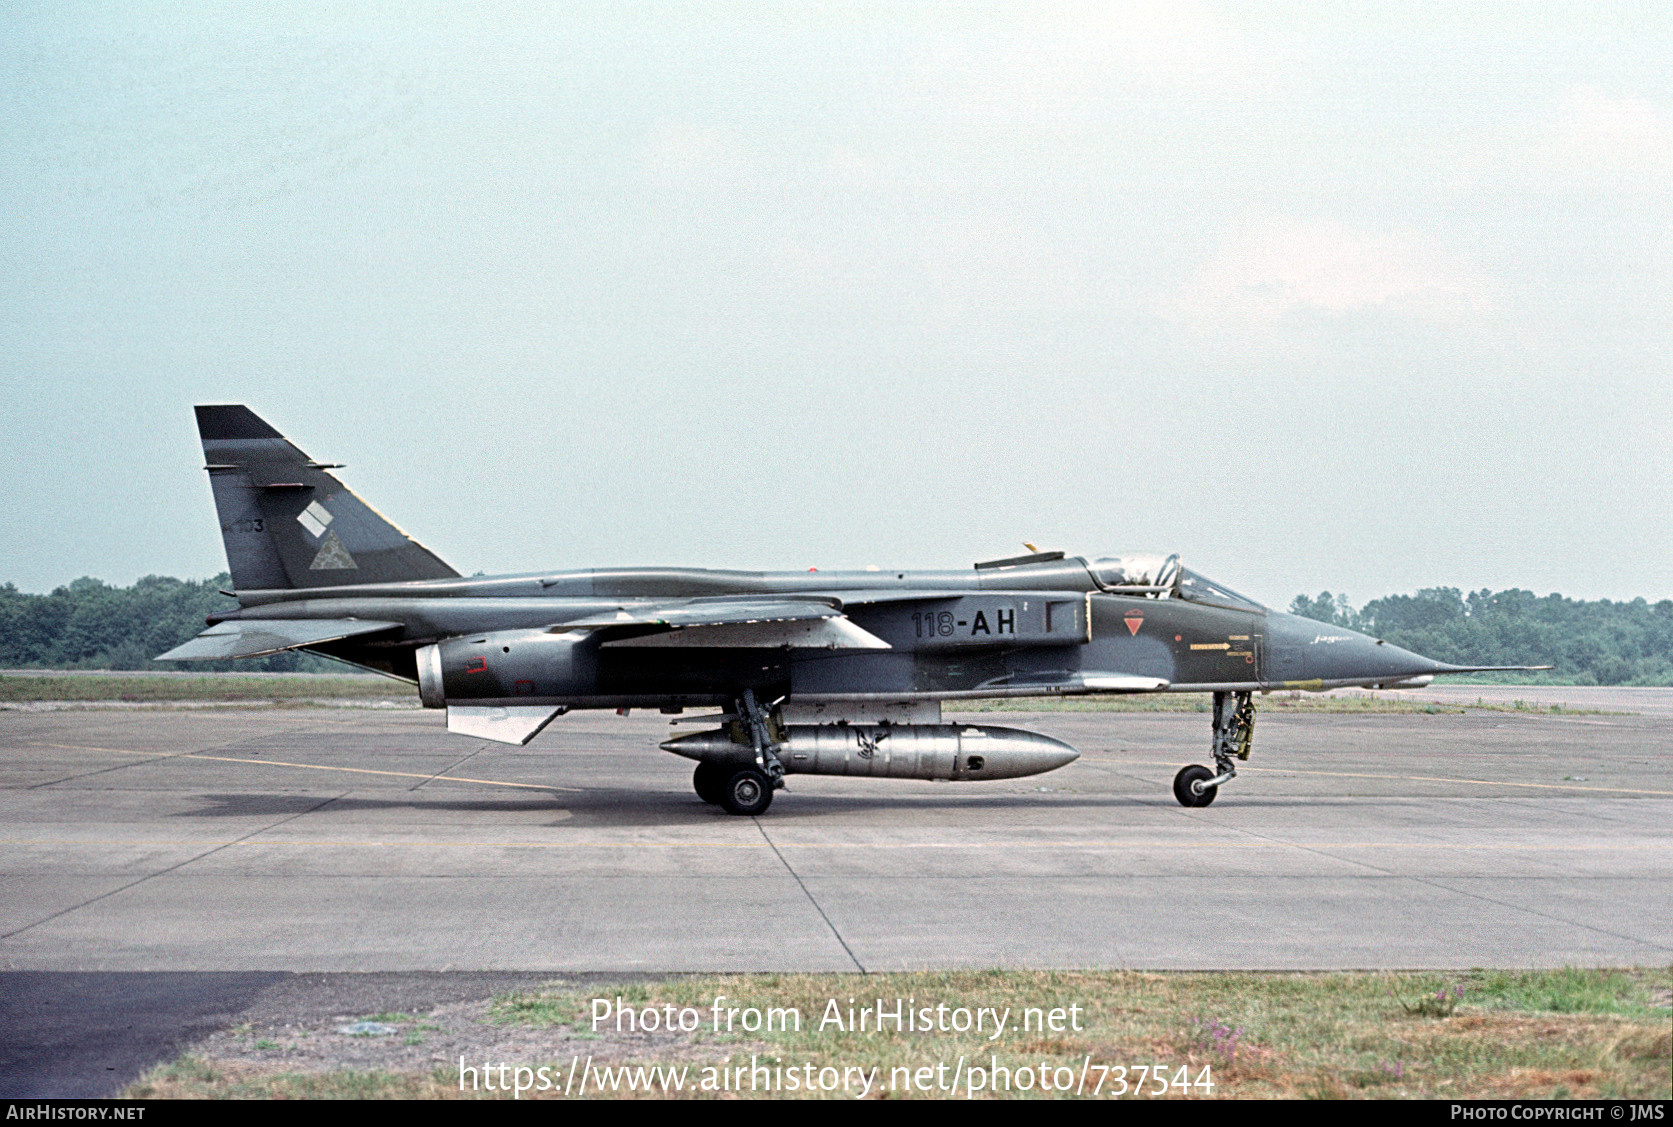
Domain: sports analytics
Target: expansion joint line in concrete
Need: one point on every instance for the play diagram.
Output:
(460, 762)
(795, 876)
(1433, 882)
(150, 757)
(178, 865)
(145, 758)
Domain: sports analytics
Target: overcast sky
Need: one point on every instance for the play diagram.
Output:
(1322, 296)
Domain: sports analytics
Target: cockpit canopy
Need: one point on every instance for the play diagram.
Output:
(1136, 575)
(1162, 577)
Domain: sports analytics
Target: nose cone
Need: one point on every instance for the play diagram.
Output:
(1309, 654)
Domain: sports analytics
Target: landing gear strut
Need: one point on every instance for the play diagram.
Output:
(740, 789)
(1234, 730)
(758, 730)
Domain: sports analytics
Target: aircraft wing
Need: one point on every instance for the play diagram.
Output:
(771, 623)
(253, 637)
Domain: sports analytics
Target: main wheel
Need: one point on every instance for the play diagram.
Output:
(1195, 773)
(747, 792)
(708, 780)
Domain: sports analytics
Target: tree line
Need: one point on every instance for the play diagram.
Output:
(1586, 643)
(92, 625)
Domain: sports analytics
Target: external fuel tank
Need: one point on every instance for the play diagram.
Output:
(961, 752)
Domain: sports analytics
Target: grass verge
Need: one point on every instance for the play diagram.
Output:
(1281, 702)
(1501, 1034)
(234, 687)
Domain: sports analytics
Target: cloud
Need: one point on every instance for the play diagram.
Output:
(1287, 268)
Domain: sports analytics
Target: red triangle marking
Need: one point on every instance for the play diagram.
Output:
(1134, 620)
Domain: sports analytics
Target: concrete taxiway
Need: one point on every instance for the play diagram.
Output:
(328, 840)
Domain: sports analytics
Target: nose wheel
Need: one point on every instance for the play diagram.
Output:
(1234, 732)
(1194, 786)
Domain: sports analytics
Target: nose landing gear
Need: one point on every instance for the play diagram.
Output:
(1234, 731)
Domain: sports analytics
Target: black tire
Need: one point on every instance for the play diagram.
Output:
(708, 780)
(1196, 772)
(747, 792)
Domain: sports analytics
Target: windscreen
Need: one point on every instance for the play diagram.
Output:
(1201, 589)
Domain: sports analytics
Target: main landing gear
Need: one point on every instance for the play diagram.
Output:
(740, 788)
(708, 779)
(740, 791)
(1234, 730)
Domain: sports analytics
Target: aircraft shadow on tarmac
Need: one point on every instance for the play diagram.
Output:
(825, 805)
(278, 805)
(630, 807)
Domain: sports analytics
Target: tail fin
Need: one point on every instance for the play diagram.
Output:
(288, 523)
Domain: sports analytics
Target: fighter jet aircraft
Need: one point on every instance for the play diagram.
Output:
(830, 673)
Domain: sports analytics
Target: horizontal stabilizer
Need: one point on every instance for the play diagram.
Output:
(506, 724)
(255, 637)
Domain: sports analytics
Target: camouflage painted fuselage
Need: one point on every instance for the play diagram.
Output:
(316, 568)
(1029, 629)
